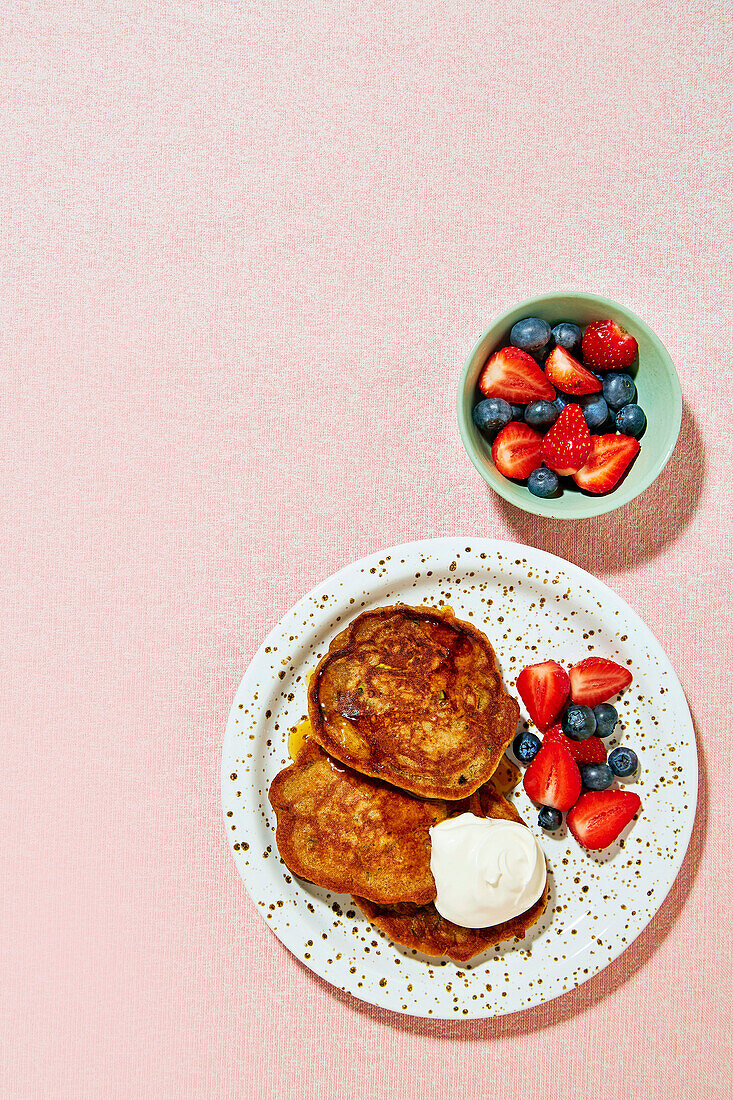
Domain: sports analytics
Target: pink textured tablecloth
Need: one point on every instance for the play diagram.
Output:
(245, 249)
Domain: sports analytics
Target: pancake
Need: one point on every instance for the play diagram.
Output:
(352, 834)
(422, 928)
(413, 696)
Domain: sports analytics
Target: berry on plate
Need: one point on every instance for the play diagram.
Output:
(597, 679)
(530, 334)
(623, 762)
(606, 719)
(568, 336)
(513, 374)
(492, 414)
(567, 446)
(608, 346)
(516, 450)
(579, 722)
(596, 777)
(544, 689)
(549, 818)
(590, 751)
(630, 420)
(525, 746)
(599, 817)
(608, 460)
(540, 414)
(553, 779)
(543, 482)
(618, 390)
(568, 375)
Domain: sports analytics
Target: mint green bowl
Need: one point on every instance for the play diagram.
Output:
(658, 390)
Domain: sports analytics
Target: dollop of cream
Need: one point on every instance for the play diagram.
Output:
(486, 870)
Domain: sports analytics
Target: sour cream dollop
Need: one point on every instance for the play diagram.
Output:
(486, 871)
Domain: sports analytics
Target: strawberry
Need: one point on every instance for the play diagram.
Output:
(599, 817)
(553, 779)
(596, 680)
(566, 446)
(516, 450)
(513, 374)
(568, 374)
(544, 689)
(607, 346)
(590, 751)
(608, 460)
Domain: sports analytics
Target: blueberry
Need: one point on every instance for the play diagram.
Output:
(618, 390)
(541, 354)
(530, 334)
(569, 336)
(525, 747)
(623, 761)
(517, 412)
(606, 719)
(543, 482)
(549, 818)
(540, 414)
(596, 777)
(595, 409)
(561, 400)
(630, 420)
(579, 722)
(492, 414)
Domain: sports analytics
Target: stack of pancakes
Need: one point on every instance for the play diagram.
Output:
(409, 721)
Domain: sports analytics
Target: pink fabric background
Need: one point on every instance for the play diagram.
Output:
(246, 248)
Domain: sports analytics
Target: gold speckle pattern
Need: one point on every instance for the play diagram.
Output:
(532, 606)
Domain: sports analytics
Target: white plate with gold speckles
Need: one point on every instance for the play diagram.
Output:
(533, 606)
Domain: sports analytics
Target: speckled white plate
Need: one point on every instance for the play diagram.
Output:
(533, 606)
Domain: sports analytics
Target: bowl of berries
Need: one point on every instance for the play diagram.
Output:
(569, 406)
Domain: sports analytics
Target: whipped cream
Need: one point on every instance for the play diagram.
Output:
(486, 870)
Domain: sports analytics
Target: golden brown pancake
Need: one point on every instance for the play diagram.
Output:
(352, 834)
(413, 696)
(422, 928)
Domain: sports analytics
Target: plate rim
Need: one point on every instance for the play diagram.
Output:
(477, 544)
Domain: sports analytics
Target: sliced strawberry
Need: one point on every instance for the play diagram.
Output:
(544, 689)
(607, 346)
(553, 779)
(514, 375)
(568, 374)
(599, 817)
(516, 450)
(609, 458)
(596, 680)
(590, 751)
(567, 445)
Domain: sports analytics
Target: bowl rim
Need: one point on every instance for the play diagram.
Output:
(602, 504)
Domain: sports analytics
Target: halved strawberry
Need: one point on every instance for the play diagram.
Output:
(608, 346)
(568, 374)
(544, 689)
(516, 450)
(599, 817)
(608, 460)
(596, 680)
(514, 375)
(567, 445)
(553, 779)
(590, 751)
